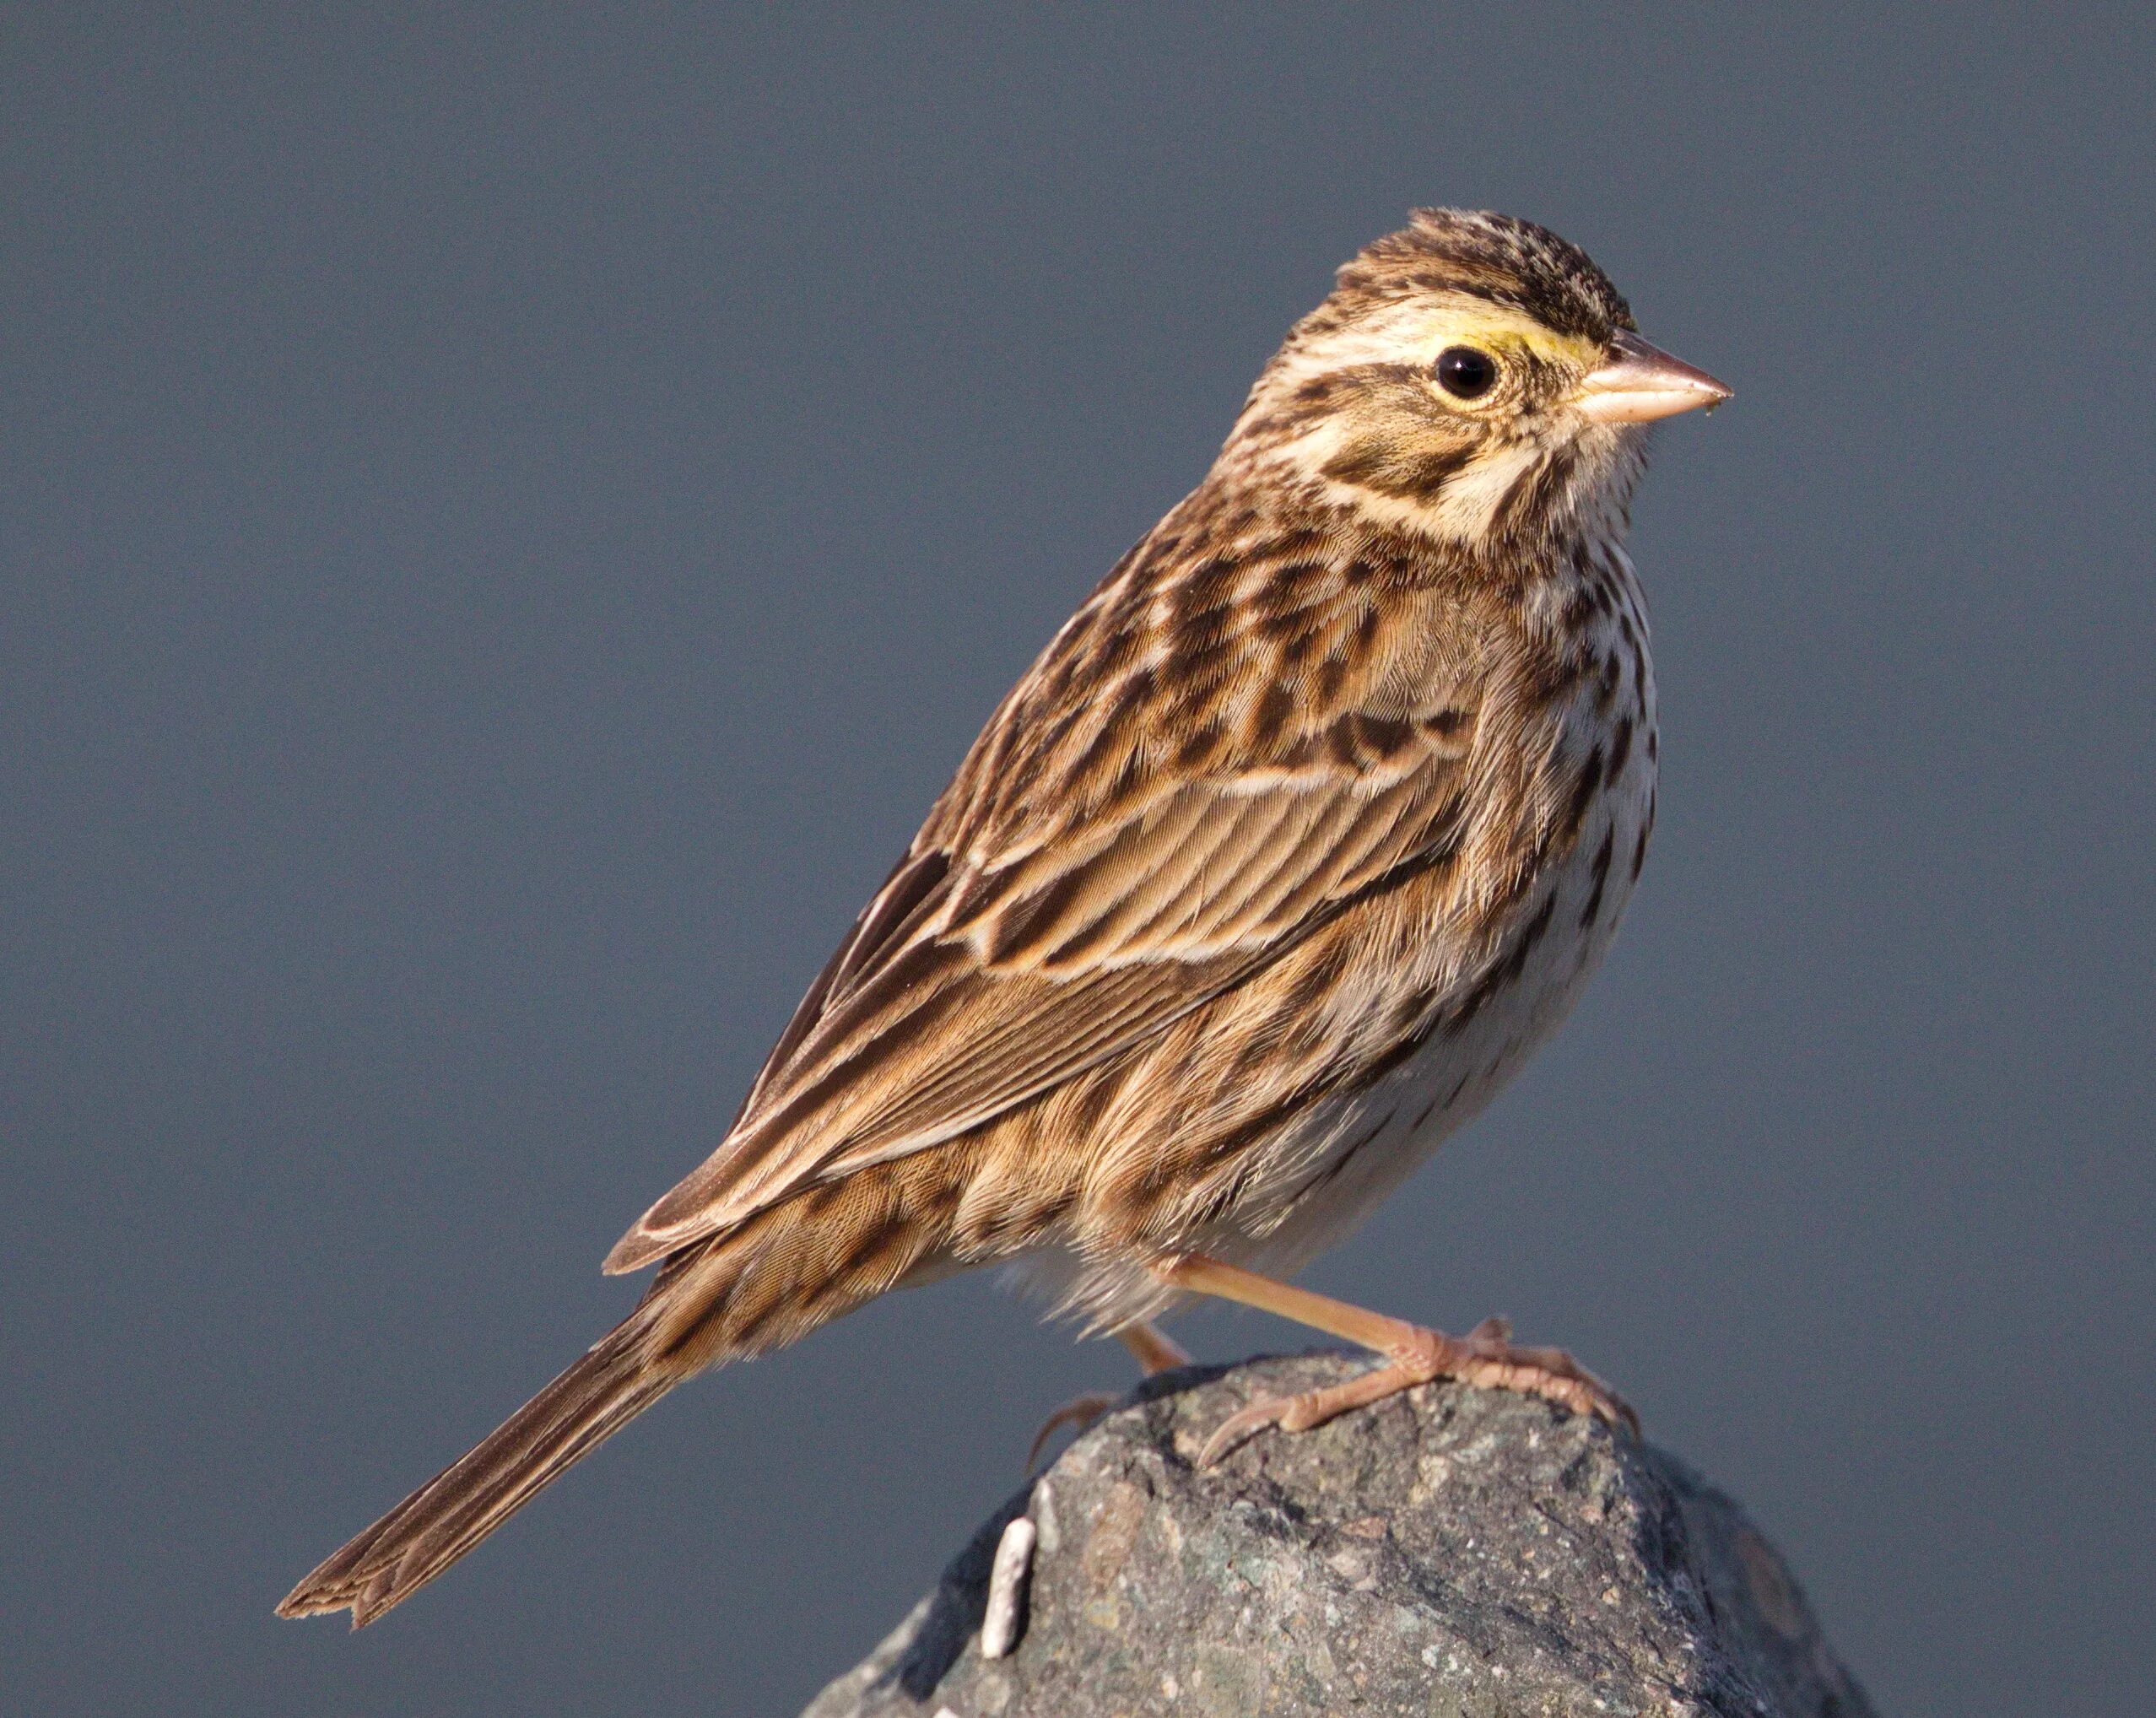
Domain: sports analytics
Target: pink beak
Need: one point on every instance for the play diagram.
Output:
(1642, 382)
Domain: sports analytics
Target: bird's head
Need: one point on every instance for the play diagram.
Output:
(1472, 377)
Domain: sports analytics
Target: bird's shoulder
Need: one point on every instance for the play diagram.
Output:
(1238, 643)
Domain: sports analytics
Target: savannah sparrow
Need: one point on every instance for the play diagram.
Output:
(1303, 831)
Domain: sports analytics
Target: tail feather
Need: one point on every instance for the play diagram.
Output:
(777, 1277)
(615, 1380)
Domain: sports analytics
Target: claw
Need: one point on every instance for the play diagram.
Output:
(1080, 1411)
(1489, 1357)
(1239, 1427)
(1155, 1353)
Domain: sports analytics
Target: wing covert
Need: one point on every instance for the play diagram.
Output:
(1093, 873)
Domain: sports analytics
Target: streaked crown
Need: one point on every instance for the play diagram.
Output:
(1499, 258)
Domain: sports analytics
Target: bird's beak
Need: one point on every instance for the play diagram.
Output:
(1639, 383)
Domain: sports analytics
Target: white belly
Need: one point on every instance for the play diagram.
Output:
(1330, 1167)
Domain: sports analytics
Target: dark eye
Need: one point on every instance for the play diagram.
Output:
(1466, 373)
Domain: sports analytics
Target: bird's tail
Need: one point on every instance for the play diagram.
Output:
(758, 1286)
(616, 1379)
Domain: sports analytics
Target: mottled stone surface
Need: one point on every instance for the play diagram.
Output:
(1451, 1553)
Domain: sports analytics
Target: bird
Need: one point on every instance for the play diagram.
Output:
(1298, 838)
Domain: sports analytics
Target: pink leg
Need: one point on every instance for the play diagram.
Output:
(1486, 1356)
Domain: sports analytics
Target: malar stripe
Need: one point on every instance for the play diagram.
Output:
(1534, 492)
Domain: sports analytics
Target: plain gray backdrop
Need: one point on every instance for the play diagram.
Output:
(510, 515)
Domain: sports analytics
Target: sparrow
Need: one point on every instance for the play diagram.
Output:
(1298, 839)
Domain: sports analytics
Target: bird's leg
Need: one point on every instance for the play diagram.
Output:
(1486, 1356)
(1155, 1352)
(1154, 1349)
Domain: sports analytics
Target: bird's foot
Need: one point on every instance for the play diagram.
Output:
(1080, 1411)
(1154, 1351)
(1486, 1356)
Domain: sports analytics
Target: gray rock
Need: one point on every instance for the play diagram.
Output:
(1451, 1553)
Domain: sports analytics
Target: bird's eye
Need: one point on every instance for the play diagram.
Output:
(1465, 373)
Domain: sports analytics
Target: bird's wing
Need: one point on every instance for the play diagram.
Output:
(1076, 891)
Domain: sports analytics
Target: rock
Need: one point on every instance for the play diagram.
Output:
(1453, 1553)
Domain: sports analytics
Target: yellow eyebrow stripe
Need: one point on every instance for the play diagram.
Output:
(1462, 320)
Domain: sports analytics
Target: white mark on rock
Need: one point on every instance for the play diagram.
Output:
(1005, 1617)
(1042, 1510)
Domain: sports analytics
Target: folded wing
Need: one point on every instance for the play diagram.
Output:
(1029, 936)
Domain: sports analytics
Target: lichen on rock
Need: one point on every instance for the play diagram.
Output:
(1452, 1553)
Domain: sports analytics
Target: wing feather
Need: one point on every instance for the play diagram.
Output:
(1043, 924)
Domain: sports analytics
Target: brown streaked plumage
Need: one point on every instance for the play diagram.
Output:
(1301, 834)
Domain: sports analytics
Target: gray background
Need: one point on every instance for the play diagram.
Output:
(509, 516)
